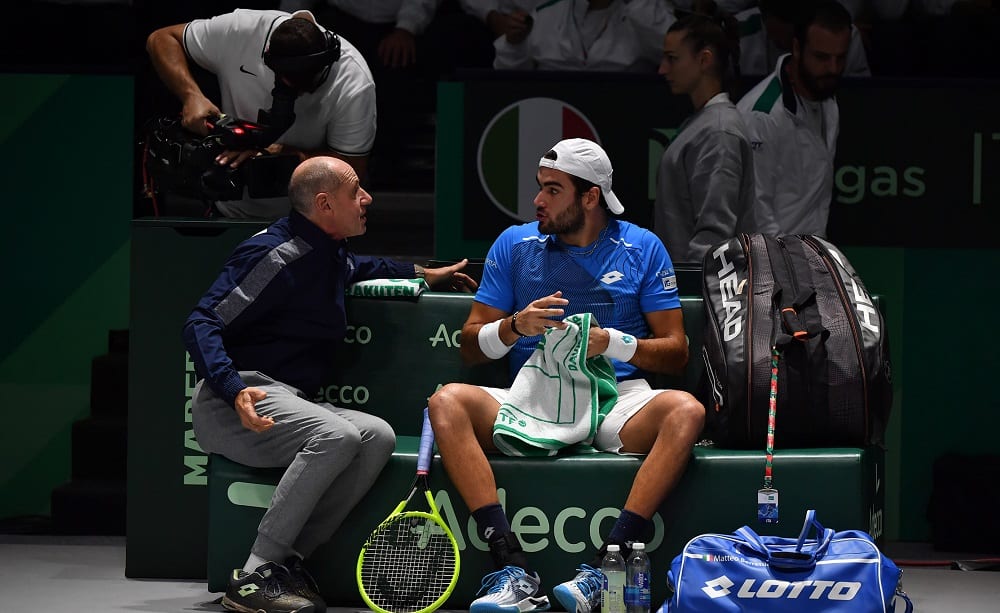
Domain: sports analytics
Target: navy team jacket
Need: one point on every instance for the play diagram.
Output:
(277, 307)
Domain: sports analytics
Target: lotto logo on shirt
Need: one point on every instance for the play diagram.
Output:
(512, 143)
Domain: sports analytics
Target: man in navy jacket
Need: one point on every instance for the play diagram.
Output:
(261, 339)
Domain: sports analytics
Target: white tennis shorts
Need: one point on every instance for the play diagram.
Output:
(632, 396)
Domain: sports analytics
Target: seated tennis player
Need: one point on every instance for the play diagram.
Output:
(576, 258)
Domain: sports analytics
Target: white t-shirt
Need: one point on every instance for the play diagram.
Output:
(482, 8)
(567, 35)
(339, 116)
(728, 6)
(595, 22)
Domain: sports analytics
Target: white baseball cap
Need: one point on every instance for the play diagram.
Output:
(585, 159)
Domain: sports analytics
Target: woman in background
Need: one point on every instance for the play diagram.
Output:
(705, 185)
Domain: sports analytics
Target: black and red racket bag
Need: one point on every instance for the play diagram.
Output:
(797, 294)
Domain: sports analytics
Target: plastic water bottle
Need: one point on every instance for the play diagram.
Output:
(613, 591)
(637, 580)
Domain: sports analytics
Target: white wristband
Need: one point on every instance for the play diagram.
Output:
(490, 342)
(621, 346)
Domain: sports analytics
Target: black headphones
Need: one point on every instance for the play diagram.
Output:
(309, 63)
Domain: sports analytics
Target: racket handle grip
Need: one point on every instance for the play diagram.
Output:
(426, 445)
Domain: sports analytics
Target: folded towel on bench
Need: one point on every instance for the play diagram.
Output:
(387, 288)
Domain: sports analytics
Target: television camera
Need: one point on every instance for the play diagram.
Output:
(177, 161)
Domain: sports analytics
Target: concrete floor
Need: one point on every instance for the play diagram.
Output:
(86, 575)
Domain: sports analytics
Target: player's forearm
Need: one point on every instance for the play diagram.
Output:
(470, 351)
(662, 355)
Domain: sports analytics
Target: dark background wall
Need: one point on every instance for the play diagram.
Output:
(66, 192)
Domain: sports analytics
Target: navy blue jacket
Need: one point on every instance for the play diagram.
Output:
(277, 307)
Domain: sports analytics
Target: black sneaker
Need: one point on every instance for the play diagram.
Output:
(303, 584)
(265, 590)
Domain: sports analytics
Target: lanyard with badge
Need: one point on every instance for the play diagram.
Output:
(767, 496)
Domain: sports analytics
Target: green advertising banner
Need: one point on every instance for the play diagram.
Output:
(913, 158)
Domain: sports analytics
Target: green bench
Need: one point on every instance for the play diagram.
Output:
(399, 351)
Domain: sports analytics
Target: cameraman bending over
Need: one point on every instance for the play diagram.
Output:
(314, 87)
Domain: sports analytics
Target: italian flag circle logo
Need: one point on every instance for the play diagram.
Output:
(512, 144)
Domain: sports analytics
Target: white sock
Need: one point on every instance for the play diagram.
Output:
(253, 562)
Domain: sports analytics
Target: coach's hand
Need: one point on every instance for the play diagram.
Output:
(245, 404)
(448, 278)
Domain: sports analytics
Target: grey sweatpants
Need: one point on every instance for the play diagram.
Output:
(332, 456)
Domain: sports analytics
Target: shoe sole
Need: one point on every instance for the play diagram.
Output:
(528, 605)
(229, 605)
(568, 600)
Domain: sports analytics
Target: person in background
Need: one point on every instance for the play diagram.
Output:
(386, 31)
(793, 122)
(503, 17)
(766, 32)
(705, 184)
(266, 61)
(593, 35)
(409, 45)
(725, 6)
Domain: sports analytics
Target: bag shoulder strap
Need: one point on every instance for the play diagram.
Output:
(806, 551)
(906, 599)
(792, 290)
(754, 542)
(823, 535)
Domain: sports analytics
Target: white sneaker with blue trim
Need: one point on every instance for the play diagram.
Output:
(582, 593)
(510, 590)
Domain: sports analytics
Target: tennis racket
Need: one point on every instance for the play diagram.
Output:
(410, 562)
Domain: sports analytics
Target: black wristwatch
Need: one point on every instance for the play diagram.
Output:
(513, 325)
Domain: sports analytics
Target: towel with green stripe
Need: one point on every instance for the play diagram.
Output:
(559, 397)
(387, 288)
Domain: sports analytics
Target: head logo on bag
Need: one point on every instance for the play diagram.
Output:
(729, 288)
(867, 315)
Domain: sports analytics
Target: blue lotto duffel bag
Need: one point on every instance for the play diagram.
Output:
(822, 570)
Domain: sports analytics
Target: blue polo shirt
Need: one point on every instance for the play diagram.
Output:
(622, 275)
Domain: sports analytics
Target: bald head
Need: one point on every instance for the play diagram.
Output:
(315, 175)
(326, 191)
